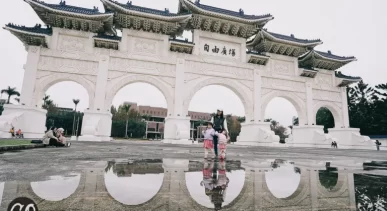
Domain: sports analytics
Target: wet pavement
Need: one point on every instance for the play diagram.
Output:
(154, 176)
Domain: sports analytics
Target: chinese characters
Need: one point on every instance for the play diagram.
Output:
(217, 50)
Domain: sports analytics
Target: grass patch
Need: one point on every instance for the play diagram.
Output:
(14, 142)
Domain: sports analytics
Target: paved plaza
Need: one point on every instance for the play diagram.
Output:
(39, 163)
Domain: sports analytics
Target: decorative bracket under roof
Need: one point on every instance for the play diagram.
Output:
(344, 80)
(30, 35)
(181, 46)
(71, 17)
(150, 20)
(106, 41)
(270, 42)
(308, 73)
(321, 60)
(208, 18)
(257, 58)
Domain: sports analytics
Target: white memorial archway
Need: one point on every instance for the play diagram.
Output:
(230, 49)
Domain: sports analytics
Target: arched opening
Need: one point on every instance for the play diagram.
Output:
(207, 101)
(328, 178)
(56, 188)
(325, 118)
(131, 185)
(61, 100)
(284, 180)
(206, 194)
(145, 118)
(282, 114)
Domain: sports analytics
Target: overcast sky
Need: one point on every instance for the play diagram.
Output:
(347, 28)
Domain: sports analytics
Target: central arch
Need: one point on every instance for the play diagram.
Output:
(236, 87)
(159, 84)
(294, 99)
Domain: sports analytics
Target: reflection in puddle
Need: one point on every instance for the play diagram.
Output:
(284, 180)
(133, 183)
(1, 191)
(57, 187)
(169, 184)
(214, 186)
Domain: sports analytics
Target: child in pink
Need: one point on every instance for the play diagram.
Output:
(208, 140)
(223, 139)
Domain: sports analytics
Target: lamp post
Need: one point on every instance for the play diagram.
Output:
(74, 133)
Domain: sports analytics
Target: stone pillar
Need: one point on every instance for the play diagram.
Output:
(257, 97)
(351, 191)
(26, 116)
(309, 104)
(97, 123)
(179, 89)
(177, 126)
(29, 81)
(196, 40)
(344, 109)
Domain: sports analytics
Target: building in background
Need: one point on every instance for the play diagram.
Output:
(156, 119)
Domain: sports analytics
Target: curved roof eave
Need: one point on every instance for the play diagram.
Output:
(346, 60)
(91, 16)
(193, 7)
(265, 34)
(177, 18)
(13, 30)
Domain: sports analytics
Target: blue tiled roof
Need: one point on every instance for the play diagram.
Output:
(68, 8)
(108, 37)
(130, 6)
(292, 38)
(36, 29)
(239, 14)
(332, 56)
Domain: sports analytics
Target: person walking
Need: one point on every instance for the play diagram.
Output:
(378, 145)
(220, 124)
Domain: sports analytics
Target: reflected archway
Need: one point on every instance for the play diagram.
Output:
(328, 179)
(132, 184)
(284, 180)
(56, 188)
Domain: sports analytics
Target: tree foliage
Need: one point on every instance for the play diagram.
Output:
(10, 92)
(367, 108)
(123, 116)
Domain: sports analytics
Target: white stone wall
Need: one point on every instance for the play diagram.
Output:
(145, 57)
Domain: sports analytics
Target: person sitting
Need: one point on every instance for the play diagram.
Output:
(51, 139)
(61, 138)
(19, 134)
(12, 131)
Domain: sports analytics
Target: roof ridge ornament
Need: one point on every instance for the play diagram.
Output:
(197, 2)
(95, 9)
(241, 12)
(166, 10)
(329, 52)
(63, 3)
(129, 3)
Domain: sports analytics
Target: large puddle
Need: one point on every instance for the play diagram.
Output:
(168, 184)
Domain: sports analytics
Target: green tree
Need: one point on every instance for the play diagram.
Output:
(324, 117)
(295, 122)
(126, 107)
(10, 92)
(1, 109)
